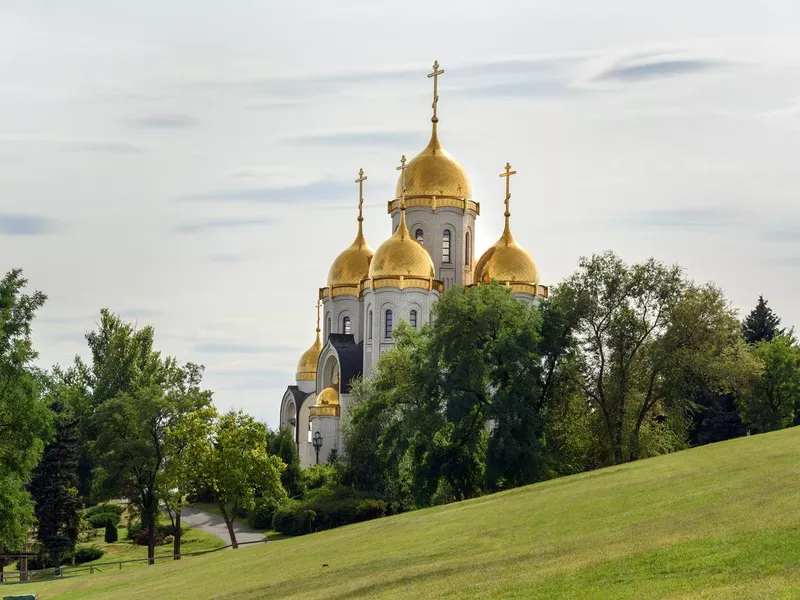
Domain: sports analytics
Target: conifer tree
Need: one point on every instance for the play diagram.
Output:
(761, 324)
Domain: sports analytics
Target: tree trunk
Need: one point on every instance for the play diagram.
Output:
(151, 542)
(176, 545)
(229, 523)
(2, 560)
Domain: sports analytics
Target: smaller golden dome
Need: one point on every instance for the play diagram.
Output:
(506, 262)
(402, 255)
(434, 172)
(307, 365)
(351, 267)
(328, 397)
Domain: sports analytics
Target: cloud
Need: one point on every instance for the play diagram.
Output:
(785, 232)
(237, 348)
(643, 66)
(318, 193)
(225, 258)
(256, 379)
(222, 224)
(356, 138)
(163, 121)
(79, 145)
(26, 225)
(684, 218)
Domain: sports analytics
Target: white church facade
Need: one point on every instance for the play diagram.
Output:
(368, 293)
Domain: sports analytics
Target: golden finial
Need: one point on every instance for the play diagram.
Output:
(508, 175)
(360, 181)
(319, 304)
(436, 72)
(402, 168)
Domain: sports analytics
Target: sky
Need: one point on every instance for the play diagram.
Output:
(190, 164)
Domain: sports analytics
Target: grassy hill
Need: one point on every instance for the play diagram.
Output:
(720, 521)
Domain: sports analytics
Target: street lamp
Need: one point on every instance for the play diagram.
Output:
(317, 442)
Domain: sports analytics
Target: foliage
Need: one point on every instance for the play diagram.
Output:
(775, 397)
(761, 325)
(102, 519)
(298, 518)
(232, 462)
(25, 419)
(105, 508)
(293, 518)
(281, 444)
(263, 512)
(111, 533)
(86, 554)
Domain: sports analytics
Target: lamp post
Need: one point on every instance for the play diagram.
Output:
(317, 442)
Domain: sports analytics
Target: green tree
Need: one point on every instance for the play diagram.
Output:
(773, 399)
(25, 419)
(234, 466)
(761, 324)
(54, 485)
(281, 444)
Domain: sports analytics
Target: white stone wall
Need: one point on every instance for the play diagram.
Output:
(304, 448)
(336, 309)
(400, 302)
(433, 225)
(329, 428)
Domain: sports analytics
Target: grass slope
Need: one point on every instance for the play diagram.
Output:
(719, 521)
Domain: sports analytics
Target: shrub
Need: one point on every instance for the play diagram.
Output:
(115, 509)
(139, 535)
(261, 516)
(111, 533)
(134, 527)
(301, 518)
(293, 518)
(101, 519)
(85, 554)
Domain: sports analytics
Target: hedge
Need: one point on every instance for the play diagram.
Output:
(87, 553)
(298, 518)
(102, 519)
(116, 509)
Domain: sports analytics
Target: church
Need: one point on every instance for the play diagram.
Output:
(369, 292)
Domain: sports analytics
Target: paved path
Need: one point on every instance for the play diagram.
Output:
(216, 526)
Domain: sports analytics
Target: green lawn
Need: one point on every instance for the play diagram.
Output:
(722, 521)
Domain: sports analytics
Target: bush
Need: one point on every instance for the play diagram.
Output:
(261, 516)
(301, 518)
(134, 527)
(112, 535)
(85, 554)
(114, 509)
(139, 535)
(102, 519)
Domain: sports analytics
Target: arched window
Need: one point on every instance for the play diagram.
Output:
(328, 329)
(412, 318)
(369, 326)
(346, 325)
(468, 250)
(446, 246)
(388, 329)
(419, 236)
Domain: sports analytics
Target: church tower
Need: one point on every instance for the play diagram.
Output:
(440, 212)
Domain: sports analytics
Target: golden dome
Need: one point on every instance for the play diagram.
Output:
(307, 365)
(352, 265)
(328, 397)
(402, 255)
(434, 172)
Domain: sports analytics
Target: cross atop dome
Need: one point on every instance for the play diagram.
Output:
(436, 72)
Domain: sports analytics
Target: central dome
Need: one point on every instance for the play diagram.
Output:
(433, 172)
(402, 255)
(351, 267)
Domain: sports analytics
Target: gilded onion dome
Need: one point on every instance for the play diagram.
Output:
(506, 261)
(328, 397)
(327, 404)
(307, 365)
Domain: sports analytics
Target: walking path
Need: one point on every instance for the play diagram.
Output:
(215, 525)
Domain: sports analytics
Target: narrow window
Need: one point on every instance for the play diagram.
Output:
(412, 317)
(446, 246)
(388, 332)
(419, 236)
(346, 325)
(328, 329)
(468, 250)
(369, 326)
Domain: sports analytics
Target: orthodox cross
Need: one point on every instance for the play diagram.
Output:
(436, 72)
(402, 168)
(508, 175)
(360, 181)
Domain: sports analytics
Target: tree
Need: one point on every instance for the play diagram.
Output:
(25, 419)
(649, 341)
(761, 324)
(281, 444)
(54, 486)
(131, 432)
(234, 466)
(775, 396)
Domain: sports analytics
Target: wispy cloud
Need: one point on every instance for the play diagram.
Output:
(162, 121)
(213, 224)
(240, 348)
(684, 218)
(101, 147)
(318, 193)
(647, 66)
(359, 138)
(255, 379)
(26, 225)
(783, 232)
(226, 258)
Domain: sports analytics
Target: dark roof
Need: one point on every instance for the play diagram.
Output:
(351, 358)
(298, 395)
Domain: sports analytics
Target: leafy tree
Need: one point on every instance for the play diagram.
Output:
(773, 399)
(281, 444)
(54, 486)
(761, 324)
(234, 466)
(25, 419)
